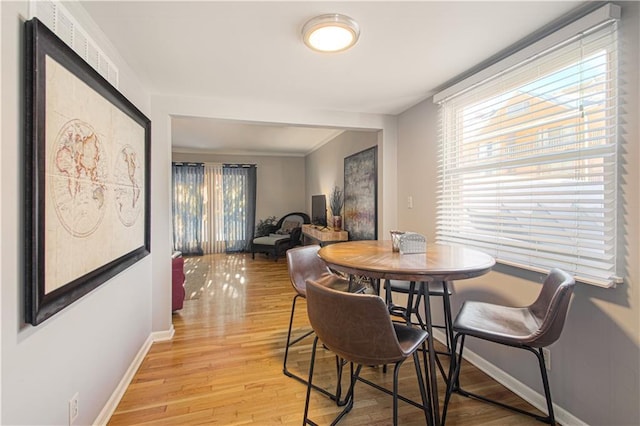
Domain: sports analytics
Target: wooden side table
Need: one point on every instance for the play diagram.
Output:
(316, 235)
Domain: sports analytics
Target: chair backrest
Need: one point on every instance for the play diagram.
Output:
(305, 264)
(356, 327)
(551, 307)
(298, 217)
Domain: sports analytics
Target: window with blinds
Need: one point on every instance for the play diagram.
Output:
(528, 160)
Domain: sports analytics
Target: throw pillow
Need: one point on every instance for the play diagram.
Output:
(288, 226)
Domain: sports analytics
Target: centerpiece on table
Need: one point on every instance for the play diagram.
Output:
(336, 201)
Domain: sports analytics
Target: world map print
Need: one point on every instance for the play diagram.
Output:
(129, 179)
(82, 186)
(79, 181)
(92, 193)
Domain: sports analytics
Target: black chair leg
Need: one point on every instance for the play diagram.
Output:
(454, 372)
(291, 343)
(426, 397)
(339, 368)
(305, 419)
(396, 370)
(448, 321)
(454, 385)
(350, 394)
(547, 390)
(348, 398)
(406, 315)
(447, 327)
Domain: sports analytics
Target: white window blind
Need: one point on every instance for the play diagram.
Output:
(528, 160)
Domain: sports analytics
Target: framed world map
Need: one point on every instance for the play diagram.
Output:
(87, 177)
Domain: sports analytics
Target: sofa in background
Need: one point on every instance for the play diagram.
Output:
(177, 281)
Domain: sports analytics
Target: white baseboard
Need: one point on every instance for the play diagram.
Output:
(163, 336)
(116, 396)
(523, 391)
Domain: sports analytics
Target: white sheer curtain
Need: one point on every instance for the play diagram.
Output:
(212, 217)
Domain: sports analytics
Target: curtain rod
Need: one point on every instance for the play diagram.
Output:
(238, 165)
(184, 163)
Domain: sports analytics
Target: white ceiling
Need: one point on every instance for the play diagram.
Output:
(242, 138)
(253, 52)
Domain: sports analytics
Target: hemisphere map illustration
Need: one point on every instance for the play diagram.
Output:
(128, 178)
(82, 188)
(95, 178)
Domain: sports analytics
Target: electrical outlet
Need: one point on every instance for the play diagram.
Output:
(73, 408)
(547, 358)
(410, 202)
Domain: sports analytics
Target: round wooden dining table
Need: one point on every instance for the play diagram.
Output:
(440, 262)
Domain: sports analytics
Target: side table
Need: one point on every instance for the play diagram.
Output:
(316, 235)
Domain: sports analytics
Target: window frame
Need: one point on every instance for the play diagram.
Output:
(547, 138)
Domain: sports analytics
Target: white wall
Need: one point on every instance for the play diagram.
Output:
(417, 169)
(0, 225)
(280, 180)
(325, 165)
(595, 364)
(87, 347)
(385, 126)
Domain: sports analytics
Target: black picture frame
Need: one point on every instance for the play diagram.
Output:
(87, 177)
(361, 194)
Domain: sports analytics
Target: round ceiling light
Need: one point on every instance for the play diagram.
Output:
(330, 33)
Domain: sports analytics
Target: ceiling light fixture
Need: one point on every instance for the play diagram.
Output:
(330, 33)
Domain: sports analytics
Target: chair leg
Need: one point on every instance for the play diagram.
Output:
(454, 386)
(339, 368)
(289, 342)
(427, 386)
(305, 419)
(415, 310)
(348, 398)
(545, 383)
(426, 405)
(448, 321)
(423, 392)
(350, 394)
(454, 372)
(448, 330)
(396, 370)
(286, 348)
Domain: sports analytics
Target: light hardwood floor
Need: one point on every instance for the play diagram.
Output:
(224, 364)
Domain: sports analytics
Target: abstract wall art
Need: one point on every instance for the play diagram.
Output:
(361, 195)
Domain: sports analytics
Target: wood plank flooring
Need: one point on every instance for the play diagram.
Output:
(224, 364)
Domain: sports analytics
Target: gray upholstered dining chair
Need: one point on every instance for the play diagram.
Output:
(358, 329)
(304, 264)
(531, 328)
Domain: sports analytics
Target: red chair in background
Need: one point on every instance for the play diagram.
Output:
(177, 281)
